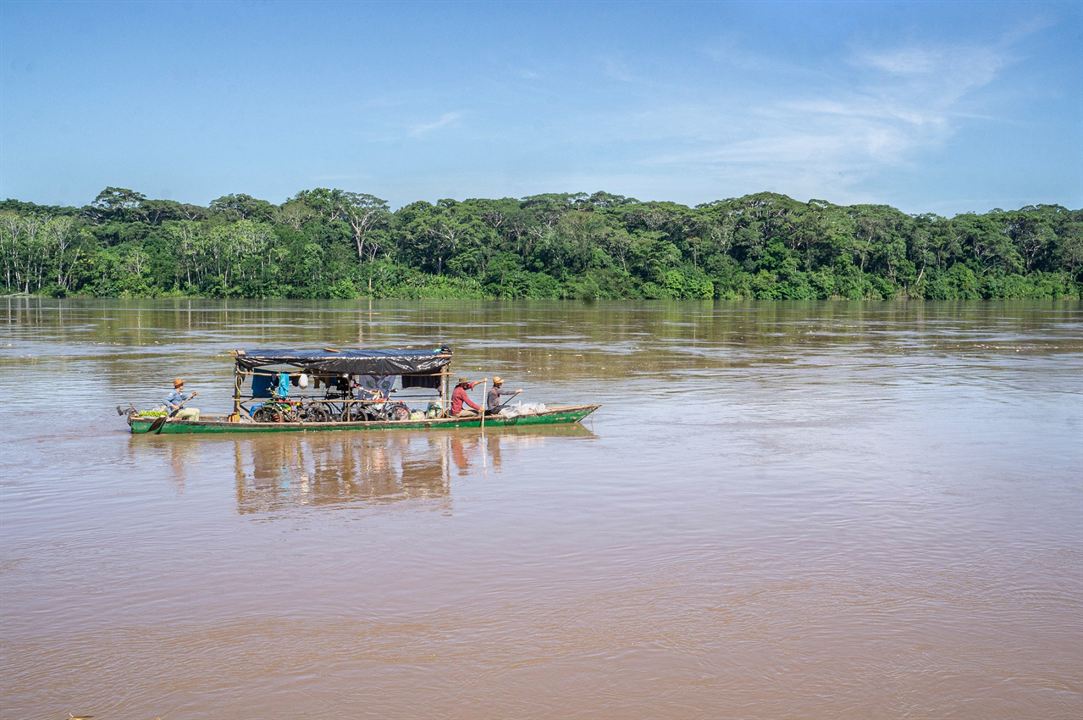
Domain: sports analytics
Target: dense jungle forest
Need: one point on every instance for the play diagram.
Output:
(328, 243)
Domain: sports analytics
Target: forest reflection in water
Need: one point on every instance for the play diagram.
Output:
(560, 342)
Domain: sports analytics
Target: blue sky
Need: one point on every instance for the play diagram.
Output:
(930, 107)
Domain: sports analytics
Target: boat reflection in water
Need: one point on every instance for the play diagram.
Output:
(279, 471)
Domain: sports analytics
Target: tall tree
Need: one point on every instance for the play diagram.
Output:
(243, 207)
(363, 213)
(117, 203)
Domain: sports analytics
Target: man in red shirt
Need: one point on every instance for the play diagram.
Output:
(459, 396)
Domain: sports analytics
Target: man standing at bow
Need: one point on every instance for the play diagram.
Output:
(459, 397)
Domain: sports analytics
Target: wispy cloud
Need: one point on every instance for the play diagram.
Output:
(616, 69)
(938, 75)
(342, 177)
(729, 51)
(904, 61)
(873, 111)
(422, 129)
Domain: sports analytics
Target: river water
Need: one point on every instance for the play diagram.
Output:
(829, 510)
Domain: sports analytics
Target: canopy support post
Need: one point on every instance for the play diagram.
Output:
(238, 380)
(443, 391)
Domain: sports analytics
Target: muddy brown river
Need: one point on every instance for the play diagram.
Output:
(815, 511)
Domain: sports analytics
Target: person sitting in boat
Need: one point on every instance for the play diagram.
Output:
(367, 398)
(492, 400)
(368, 394)
(174, 400)
(459, 398)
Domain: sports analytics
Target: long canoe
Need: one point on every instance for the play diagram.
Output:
(217, 424)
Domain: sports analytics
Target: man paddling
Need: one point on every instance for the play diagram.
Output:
(492, 400)
(177, 398)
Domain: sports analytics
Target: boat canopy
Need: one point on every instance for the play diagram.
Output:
(352, 361)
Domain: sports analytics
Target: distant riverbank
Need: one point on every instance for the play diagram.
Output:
(327, 243)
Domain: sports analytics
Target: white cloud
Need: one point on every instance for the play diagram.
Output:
(937, 75)
(342, 177)
(905, 61)
(422, 129)
(831, 137)
(617, 69)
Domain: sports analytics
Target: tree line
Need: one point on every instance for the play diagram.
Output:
(330, 243)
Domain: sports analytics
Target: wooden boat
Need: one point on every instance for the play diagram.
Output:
(554, 415)
(334, 368)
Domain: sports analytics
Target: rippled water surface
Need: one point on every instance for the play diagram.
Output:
(781, 511)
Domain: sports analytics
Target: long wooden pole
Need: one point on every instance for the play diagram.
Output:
(484, 396)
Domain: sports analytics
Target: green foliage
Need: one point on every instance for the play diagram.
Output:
(330, 243)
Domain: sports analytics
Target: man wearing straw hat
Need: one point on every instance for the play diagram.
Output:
(459, 397)
(492, 400)
(177, 398)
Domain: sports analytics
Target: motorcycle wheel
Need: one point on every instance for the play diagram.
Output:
(316, 414)
(267, 415)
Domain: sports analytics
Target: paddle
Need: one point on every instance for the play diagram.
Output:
(504, 404)
(159, 423)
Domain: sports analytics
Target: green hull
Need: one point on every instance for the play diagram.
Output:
(561, 415)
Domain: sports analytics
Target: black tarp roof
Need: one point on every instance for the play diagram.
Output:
(355, 361)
